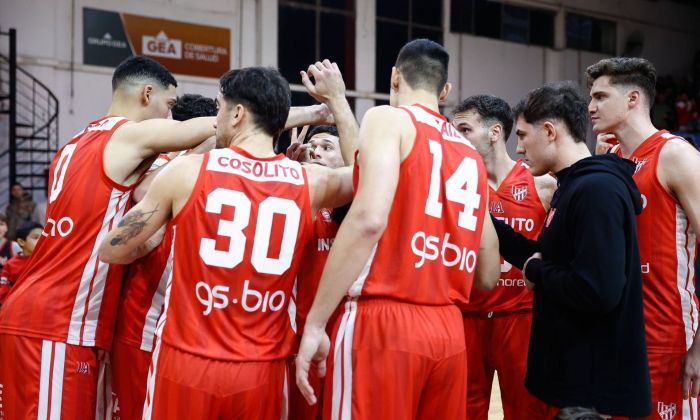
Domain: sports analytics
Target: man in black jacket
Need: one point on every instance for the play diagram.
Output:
(587, 345)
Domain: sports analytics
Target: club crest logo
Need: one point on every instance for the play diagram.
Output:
(640, 164)
(519, 192)
(326, 214)
(666, 411)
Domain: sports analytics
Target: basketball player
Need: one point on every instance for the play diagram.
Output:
(622, 92)
(241, 216)
(497, 324)
(143, 293)
(406, 254)
(327, 146)
(55, 325)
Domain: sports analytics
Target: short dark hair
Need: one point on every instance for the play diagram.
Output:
(263, 92)
(560, 101)
(191, 105)
(491, 109)
(632, 71)
(320, 129)
(142, 68)
(25, 229)
(423, 64)
(3, 218)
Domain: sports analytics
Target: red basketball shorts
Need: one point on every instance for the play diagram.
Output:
(392, 360)
(44, 379)
(129, 376)
(499, 342)
(182, 385)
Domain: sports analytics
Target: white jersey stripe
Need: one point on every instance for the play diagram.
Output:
(89, 296)
(347, 363)
(285, 396)
(59, 361)
(151, 322)
(151, 384)
(338, 364)
(356, 288)
(45, 379)
(685, 239)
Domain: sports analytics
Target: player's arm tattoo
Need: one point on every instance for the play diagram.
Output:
(131, 225)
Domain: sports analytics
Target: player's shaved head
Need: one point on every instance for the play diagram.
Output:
(263, 92)
(626, 71)
(423, 65)
(138, 70)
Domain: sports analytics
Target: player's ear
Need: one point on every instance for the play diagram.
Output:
(145, 94)
(550, 130)
(445, 92)
(395, 76)
(495, 133)
(633, 98)
(238, 114)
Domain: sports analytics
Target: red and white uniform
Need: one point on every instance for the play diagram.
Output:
(497, 323)
(399, 348)
(236, 250)
(143, 297)
(66, 295)
(10, 273)
(308, 279)
(667, 250)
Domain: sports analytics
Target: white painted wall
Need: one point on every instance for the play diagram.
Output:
(46, 27)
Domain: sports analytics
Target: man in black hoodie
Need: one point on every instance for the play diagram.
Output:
(587, 345)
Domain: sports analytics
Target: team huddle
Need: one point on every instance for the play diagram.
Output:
(377, 271)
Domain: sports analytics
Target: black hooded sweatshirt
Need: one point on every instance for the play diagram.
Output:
(587, 344)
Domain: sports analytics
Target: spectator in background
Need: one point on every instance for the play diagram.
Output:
(20, 210)
(8, 248)
(694, 124)
(27, 235)
(684, 107)
(661, 113)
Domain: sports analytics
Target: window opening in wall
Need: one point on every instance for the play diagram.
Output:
(399, 21)
(492, 19)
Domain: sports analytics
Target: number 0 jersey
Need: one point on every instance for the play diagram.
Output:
(237, 246)
(427, 253)
(66, 293)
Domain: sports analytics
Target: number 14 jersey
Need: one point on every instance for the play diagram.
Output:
(237, 246)
(427, 253)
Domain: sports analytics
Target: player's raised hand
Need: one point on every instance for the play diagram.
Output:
(328, 82)
(604, 142)
(297, 150)
(690, 375)
(314, 348)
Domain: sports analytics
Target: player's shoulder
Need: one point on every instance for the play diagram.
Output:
(677, 148)
(385, 114)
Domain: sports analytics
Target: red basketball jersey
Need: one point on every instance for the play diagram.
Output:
(517, 203)
(143, 296)
(237, 246)
(427, 254)
(313, 261)
(667, 250)
(66, 293)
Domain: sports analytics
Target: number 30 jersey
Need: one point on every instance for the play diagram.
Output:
(428, 251)
(66, 293)
(237, 245)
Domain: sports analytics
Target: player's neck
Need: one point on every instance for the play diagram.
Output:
(412, 97)
(633, 131)
(498, 165)
(123, 108)
(256, 143)
(569, 153)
